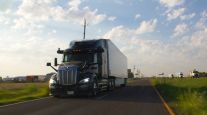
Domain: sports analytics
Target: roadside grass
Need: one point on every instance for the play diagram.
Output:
(15, 92)
(186, 96)
(132, 80)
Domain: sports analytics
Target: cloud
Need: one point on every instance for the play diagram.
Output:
(180, 29)
(5, 5)
(5, 17)
(112, 18)
(29, 52)
(120, 32)
(173, 14)
(74, 4)
(137, 16)
(171, 3)
(187, 17)
(173, 11)
(201, 23)
(120, 2)
(204, 14)
(37, 11)
(147, 26)
(199, 40)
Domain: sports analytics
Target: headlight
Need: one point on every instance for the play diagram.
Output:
(52, 81)
(86, 80)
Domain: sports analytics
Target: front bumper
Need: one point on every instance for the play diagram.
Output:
(78, 89)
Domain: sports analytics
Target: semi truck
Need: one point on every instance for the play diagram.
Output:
(88, 67)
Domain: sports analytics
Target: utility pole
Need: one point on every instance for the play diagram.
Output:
(134, 71)
(84, 32)
(138, 72)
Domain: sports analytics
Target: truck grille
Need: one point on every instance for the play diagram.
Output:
(67, 76)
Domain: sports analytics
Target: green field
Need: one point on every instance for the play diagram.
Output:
(15, 92)
(185, 96)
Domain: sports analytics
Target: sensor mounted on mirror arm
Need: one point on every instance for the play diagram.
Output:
(60, 51)
(55, 64)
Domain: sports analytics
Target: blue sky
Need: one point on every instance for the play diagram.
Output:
(156, 35)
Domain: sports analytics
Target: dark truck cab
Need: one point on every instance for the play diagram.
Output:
(85, 69)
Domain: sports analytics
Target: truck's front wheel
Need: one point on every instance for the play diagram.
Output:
(111, 85)
(94, 90)
(56, 96)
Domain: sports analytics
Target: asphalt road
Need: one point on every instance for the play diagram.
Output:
(137, 98)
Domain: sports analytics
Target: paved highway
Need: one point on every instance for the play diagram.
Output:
(138, 98)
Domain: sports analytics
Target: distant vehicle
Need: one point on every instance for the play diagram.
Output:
(8, 79)
(20, 79)
(180, 75)
(32, 78)
(171, 75)
(88, 67)
(161, 74)
(194, 74)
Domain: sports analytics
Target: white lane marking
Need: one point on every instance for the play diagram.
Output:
(101, 97)
(24, 102)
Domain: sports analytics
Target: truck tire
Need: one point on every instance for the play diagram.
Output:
(111, 85)
(94, 90)
(56, 96)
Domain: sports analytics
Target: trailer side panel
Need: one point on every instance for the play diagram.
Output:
(117, 61)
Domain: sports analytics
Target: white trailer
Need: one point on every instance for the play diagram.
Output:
(117, 64)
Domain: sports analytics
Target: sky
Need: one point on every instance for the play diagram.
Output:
(157, 36)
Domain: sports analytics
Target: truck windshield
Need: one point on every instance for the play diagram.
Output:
(89, 58)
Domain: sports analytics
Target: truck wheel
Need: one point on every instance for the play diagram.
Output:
(110, 85)
(94, 89)
(56, 96)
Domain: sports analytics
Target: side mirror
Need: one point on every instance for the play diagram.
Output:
(55, 62)
(60, 51)
(48, 64)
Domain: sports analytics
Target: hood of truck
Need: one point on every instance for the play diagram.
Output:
(68, 66)
(71, 63)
